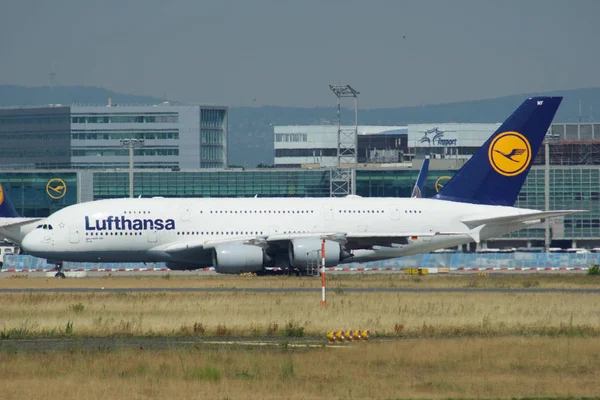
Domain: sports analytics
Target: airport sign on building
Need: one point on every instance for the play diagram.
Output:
(449, 134)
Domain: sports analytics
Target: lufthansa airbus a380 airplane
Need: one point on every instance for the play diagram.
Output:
(248, 234)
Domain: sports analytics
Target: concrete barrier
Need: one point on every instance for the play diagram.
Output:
(68, 274)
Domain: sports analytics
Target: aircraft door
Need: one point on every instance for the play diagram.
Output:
(428, 229)
(151, 236)
(73, 235)
(328, 212)
(185, 213)
(394, 211)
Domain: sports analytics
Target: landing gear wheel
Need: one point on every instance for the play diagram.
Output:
(59, 274)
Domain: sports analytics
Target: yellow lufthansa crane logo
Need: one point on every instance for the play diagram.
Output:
(441, 181)
(509, 153)
(1, 194)
(56, 188)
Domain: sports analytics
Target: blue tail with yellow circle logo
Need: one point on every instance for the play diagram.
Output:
(497, 171)
(7, 210)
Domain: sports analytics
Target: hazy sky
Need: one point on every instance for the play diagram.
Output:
(283, 52)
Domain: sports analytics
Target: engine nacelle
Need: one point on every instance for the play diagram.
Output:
(237, 258)
(307, 252)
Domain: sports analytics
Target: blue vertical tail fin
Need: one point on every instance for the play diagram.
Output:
(497, 171)
(7, 210)
(419, 189)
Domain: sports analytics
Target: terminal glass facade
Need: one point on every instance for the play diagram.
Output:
(265, 183)
(570, 188)
(213, 137)
(40, 194)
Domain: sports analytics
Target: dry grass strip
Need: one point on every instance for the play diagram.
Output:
(258, 314)
(426, 368)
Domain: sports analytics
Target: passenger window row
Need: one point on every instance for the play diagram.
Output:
(360, 211)
(221, 233)
(374, 211)
(113, 233)
(261, 212)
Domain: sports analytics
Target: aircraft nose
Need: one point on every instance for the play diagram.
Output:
(30, 241)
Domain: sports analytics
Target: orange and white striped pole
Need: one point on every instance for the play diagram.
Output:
(323, 274)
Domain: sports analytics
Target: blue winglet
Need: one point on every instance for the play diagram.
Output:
(7, 210)
(419, 189)
(497, 171)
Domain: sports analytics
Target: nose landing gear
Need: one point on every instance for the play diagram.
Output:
(59, 274)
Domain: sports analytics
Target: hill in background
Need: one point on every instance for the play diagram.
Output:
(251, 128)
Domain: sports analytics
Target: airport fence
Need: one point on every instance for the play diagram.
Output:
(432, 260)
(523, 260)
(22, 261)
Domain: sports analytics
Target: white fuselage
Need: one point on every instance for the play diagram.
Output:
(128, 230)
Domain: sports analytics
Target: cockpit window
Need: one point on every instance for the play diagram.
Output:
(38, 227)
(50, 227)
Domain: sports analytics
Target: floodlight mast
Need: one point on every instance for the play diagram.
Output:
(343, 175)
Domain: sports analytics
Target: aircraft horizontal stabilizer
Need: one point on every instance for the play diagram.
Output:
(520, 218)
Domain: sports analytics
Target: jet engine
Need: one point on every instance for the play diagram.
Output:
(237, 258)
(307, 252)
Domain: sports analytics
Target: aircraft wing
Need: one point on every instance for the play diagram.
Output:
(12, 222)
(350, 240)
(519, 218)
(354, 240)
(201, 247)
(187, 252)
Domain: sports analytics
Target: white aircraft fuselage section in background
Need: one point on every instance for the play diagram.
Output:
(120, 230)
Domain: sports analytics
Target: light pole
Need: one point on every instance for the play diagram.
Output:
(343, 178)
(551, 138)
(131, 144)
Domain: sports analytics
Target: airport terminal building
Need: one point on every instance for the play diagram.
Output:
(316, 145)
(84, 137)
